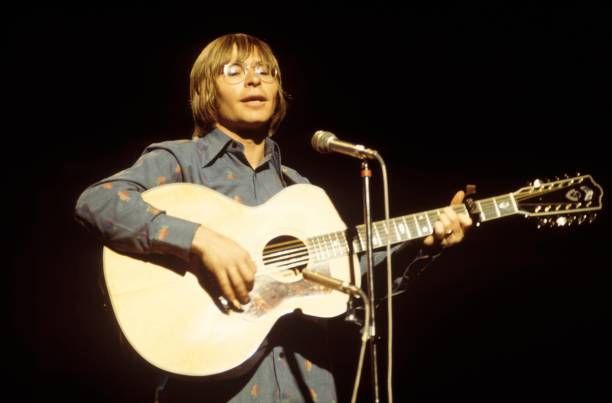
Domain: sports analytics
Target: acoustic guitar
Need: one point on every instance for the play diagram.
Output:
(176, 324)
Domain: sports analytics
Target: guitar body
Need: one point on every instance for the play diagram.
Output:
(171, 319)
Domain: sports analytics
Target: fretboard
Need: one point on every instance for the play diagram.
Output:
(404, 228)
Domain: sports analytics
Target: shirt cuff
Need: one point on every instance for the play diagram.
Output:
(172, 235)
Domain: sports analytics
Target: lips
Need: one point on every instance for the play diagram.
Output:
(251, 98)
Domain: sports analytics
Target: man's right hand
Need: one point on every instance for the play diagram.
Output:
(228, 263)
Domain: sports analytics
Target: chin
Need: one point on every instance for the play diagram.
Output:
(261, 120)
(253, 124)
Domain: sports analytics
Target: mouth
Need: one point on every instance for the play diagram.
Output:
(253, 98)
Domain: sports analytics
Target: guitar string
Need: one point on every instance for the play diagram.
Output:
(279, 253)
(285, 258)
(294, 257)
(545, 190)
(279, 244)
(290, 255)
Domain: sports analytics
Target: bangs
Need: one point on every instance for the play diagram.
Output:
(245, 47)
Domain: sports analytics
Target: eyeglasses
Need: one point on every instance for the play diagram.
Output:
(234, 73)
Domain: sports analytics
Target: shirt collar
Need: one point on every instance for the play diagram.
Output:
(213, 144)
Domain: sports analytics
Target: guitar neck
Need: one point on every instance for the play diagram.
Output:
(405, 228)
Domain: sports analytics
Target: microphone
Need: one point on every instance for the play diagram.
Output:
(326, 142)
(330, 282)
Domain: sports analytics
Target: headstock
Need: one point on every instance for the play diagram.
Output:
(562, 202)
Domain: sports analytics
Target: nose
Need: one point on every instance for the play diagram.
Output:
(251, 78)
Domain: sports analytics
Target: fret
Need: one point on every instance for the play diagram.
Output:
(429, 223)
(334, 244)
(321, 239)
(402, 230)
(505, 205)
(482, 213)
(407, 228)
(496, 207)
(359, 243)
(385, 232)
(344, 245)
(323, 251)
(316, 248)
(328, 246)
(340, 244)
(376, 239)
(433, 216)
(489, 209)
(423, 224)
(311, 250)
(397, 236)
(513, 200)
(413, 226)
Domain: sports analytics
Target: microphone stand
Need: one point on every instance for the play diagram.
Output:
(366, 174)
(342, 286)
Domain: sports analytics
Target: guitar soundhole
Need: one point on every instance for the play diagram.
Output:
(285, 257)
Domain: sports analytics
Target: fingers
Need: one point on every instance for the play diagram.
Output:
(235, 282)
(450, 227)
(229, 263)
(458, 197)
(453, 229)
(247, 273)
(239, 285)
(429, 240)
(227, 290)
(464, 219)
(441, 227)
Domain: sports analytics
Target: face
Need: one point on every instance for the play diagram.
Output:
(248, 104)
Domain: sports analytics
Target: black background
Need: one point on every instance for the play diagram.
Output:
(495, 96)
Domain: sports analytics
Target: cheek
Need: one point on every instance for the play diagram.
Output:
(226, 94)
(224, 99)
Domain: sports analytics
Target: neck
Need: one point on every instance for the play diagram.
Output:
(253, 142)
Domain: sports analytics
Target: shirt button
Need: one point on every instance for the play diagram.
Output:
(281, 355)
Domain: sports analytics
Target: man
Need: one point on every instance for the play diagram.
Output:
(237, 102)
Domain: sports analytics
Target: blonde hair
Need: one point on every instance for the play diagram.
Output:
(208, 65)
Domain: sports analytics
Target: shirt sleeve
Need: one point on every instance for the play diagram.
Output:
(114, 209)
